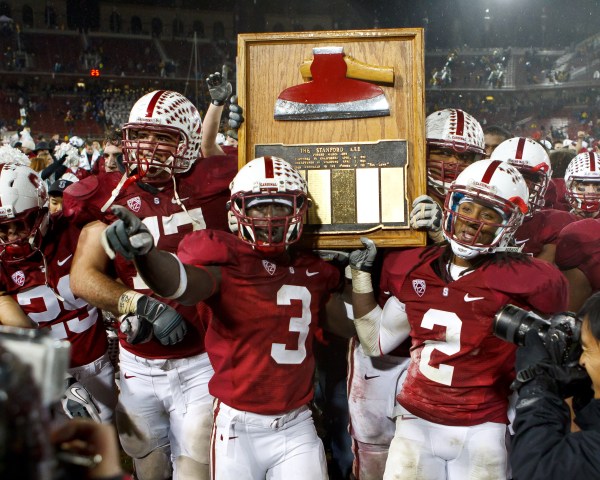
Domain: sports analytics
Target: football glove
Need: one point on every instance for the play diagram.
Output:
(363, 259)
(127, 236)
(218, 87)
(236, 113)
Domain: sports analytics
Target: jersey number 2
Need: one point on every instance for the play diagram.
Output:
(450, 345)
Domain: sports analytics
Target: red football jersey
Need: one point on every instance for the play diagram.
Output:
(559, 202)
(54, 306)
(460, 372)
(542, 229)
(265, 316)
(203, 191)
(578, 246)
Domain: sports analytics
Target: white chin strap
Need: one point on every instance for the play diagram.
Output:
(462, 251)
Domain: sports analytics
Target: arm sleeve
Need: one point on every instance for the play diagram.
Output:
(543, 447)
(381, 330)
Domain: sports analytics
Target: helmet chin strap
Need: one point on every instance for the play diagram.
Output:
(180, 203)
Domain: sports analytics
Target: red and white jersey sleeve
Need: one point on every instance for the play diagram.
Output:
(578, 246)
(541, 229)
(265, 316)
(203, 191)
(54, 306)
(460, 372)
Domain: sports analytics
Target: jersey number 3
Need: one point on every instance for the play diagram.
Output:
(285, 295)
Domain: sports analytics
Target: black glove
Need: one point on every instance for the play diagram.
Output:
(236, 117)
(127, 236)
(536, 368)
(218, 87)
(168, 325)
(136, 329)
(363, 259)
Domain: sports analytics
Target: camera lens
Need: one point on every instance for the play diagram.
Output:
(512, 323)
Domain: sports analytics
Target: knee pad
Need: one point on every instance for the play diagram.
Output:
(154, 466)
(189, 469)
(136, 436)
(195, 441)
(369, 460)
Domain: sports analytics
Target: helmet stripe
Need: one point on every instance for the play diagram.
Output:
(152, 103)
(520, 148)
(489, 173)
(593, 162)
(460, 122)
(269, 167)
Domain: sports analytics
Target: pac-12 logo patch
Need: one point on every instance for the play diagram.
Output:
(18, 277)
(269, 267)
(135, 204)
(419, 287)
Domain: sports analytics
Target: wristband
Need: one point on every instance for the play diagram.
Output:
(361, 282)
(217, 103)
(182, 281)
(128, 302)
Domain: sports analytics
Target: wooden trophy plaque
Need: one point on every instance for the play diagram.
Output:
(346, 109)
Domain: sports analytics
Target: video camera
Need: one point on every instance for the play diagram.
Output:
(561, 333)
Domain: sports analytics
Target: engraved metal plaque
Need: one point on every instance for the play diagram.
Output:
(355, 187)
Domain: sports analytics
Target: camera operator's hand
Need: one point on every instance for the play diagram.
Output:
(88, 438)
(127, 236)
(236, 113)
(536, 369)
(218, 87)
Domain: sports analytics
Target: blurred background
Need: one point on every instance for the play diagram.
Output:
(77, 66)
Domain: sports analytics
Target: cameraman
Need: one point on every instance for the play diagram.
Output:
(543, 446)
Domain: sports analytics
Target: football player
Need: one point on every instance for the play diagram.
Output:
(540, 228)
(455, 396)
(260, 343)
(164, 408)
(36, 252)
(582, 183)
(454, 140)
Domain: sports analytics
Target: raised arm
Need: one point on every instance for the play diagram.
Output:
(379, 330)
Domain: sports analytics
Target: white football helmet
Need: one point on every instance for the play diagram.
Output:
(493, 184)
(23, 200)
(76, 141)
(455, 130)
(585, 167)
(531, 159)
(166, 112)
(269, 180)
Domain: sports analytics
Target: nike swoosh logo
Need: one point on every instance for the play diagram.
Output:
(128, 376)
(472, 299)
(174, 200)
(231, 438)
(369, 377)
(520, 242)
(62, 262)
(311, 274)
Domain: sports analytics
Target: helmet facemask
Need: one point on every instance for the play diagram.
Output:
(34, 224)
(588, 203)
(155, 161)
(270, 234)
(443, 170)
